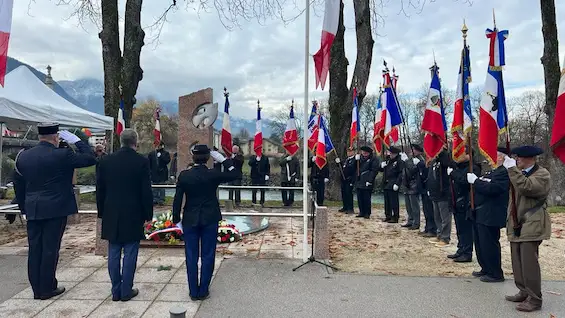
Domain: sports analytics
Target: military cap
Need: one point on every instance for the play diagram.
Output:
(417, 147)
(393, 149)
(504, 150)
(527, 151)
(200, 150)
(366, 148)
(47, 128)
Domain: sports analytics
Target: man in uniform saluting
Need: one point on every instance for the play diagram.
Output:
(44, 191)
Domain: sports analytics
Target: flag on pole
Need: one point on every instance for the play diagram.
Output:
(157, 130)
(290, 137)
(355, 122)
(6, 7)
(328, 140)
(258, 140)
(329, 30)
(493, 117)
(558, 131)
(394, 131)
(390, 116)
(378, 129)
(313, 127)
(87, 132)
(321, 159)
(434, 124)
(226, 138)
(462, 114)
(121, 123)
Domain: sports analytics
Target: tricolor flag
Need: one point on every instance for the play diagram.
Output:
(8, 133)
(313, 127)
(121, 123)
(390, 116)
(462, 114)
(434, 124)
(157, 130)
(355, 122)
(226, 139)
(329, 30)
(378, 133)
(328, 140)
(6, 7)
(558, 131)
(258, 140)
(492, 112)
(290, 138)
(394, 132)
(321, 153)
(87, 132)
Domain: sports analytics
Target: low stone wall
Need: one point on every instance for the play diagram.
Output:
(321, 234)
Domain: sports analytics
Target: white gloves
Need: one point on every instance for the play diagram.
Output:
(233, 155)
(337, 160)
(24, 217)
(471, 178)
(449, 171)
(158, 154)
(69, 137)
(509, 162)
(289, 158)
(326, 180)
(415, 160)
(296, 180)
(395, 187)
(403, 156)
(258, 158)
(266, 178)
(218, 157)
(428, 193)
(367, 184)
(357, 157)
(383, 164)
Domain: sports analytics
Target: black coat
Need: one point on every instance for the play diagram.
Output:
(43, 184)
(316, 174)
(174, 163)
(292, 172)
(198, 187)
(349, 168)
(411, 177)
(368, 170)
(158, 165)
(238, 164)
(392, 173)
(491, 198)
(438, 184)
(123, 195)
(259, 169)
(422, 175)
(461, 188)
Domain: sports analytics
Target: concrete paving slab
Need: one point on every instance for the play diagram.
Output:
(69, 308)
(22, 308)
(152, 275)
(74, 274)
(89, 261)
(156, 261)
(120, 309)
(161, 309)
(89, 291)
(175, 292)
(101, 275)
(13, 275)
(148, 291)
(28, 292)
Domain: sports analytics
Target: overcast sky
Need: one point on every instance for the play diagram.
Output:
(266, 61)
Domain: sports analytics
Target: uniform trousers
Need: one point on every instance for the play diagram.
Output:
(319, 186)
(236, 192)
(44, 239)
(464, 230)
(412, 202)
(287, 195)
(487, 249)
(527, 273)
(347, 195)
(260, 182)
(392, 205)
(200, 241)
(442, 216)
(364, 201)
(428, 208)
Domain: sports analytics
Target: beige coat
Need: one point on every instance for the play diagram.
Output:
(529, 191)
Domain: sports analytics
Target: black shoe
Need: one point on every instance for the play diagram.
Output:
(359, 216)
(406, 225)
(478, 274)
(385, 220)
(367, 217)
(204, 297)
(349, 212)
(489, 279)
(116, 298)
(134, 292)
(463, 259)
(453, 256)
(341, 210)
(393, 221)
(414, 227)
(194, 298)
(58, 291)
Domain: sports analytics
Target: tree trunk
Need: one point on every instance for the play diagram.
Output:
(132, 73)
(112, 59)
(551, 71)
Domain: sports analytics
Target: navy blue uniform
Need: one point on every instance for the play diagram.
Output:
(347, 181)
(44, 192)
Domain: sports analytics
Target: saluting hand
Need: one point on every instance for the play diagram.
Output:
(69, 137)
(218, 157)
(509, 162)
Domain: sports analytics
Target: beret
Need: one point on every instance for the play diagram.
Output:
(417, 147)
(47, 128)
(527, 151)
(393, 149)
(366, 148)
(200, 150)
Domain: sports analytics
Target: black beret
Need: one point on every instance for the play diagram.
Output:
(504, 150)
(417, 147)
(527, 151)
(200, 150)
(366, 148)
(47, 128)
(393, 149)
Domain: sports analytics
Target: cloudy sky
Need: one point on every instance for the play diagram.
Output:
(266, 60)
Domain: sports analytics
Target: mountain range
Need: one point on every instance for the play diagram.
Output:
(88, 93)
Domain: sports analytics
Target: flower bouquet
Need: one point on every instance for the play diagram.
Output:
(227, 233)
(162, 228)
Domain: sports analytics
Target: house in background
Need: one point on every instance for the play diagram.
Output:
(270, 147)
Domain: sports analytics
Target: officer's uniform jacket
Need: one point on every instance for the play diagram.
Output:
(393, 173)
(368, 170)
(290, 170)
(491, 198)
(259, 169)
(316, 174)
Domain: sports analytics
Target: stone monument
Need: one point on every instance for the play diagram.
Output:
(197, 114)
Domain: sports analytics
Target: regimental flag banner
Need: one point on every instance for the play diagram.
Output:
(434, 124)
(328, 140)
(258, 140)
(313, 127)
(87, 132)
(157, 130)
(558, 131)
(329, 30)
(6, 7)
(121, 123)
(493, 116)
(290, 137)
(390, 116)
(378, 132)
(226, 138)
(355, 123)
(321, 158)
(462, 113)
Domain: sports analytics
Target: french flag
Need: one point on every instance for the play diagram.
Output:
(378, 134)
(355, 127)
(492, 112)
(6, 7)
(462, 114)
(558, 131)
(157, 129)
(321, 146)
(394, 132)
(121, 124)
(226, 138)
(313, 127)
(434, 124)
(290, 137)
(329, 30)
(390, 116)
(258, 140)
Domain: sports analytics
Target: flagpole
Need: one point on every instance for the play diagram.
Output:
(305, 129)
(464, 30)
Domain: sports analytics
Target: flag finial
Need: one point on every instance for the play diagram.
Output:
(464, 30)
(258, 105)
(226, 93)
(494, 18)
(120, 88)
(292, 103)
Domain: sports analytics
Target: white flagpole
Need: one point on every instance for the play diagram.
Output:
(305, 134)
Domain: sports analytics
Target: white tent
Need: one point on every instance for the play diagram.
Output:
(25, 100)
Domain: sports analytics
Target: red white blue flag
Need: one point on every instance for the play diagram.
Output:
(462, 114)
(329, 30)
(157, 130)
(258, 140)
(290, 138)
(226, 138)
(321, 152)
(390, 116)
(558, 131)
(378, 132)
(313, 127)
(121, 123)
(6, 7)
(434, 124)
(355, 122)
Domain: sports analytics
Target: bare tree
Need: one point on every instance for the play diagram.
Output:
(367, 118)
(528, 120)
